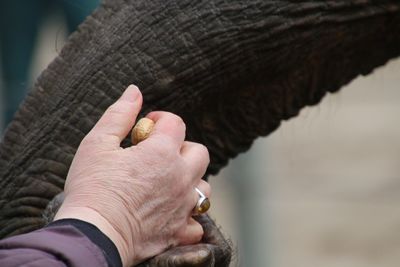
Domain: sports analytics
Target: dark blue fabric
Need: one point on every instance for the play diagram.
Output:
(20, 22)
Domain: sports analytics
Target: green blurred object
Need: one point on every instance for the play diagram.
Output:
(20, 22)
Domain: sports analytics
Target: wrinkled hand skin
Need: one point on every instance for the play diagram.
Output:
(213, 251)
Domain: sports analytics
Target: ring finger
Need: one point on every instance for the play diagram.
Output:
(201, 198)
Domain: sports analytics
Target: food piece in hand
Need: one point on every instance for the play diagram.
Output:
(141, 130)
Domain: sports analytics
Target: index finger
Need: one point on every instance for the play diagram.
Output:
(168, 125)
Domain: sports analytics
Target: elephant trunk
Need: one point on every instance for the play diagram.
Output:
(232, 69)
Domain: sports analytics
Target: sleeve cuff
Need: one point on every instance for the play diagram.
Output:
(108, 248)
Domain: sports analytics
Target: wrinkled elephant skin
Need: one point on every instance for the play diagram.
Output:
(232, 69)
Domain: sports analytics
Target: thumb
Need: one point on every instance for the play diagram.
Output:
(120, 117)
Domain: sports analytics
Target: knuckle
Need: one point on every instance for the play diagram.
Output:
(119, 107)
(93, 139)
(199, 234)
(176, 120)
(203, 151)
(113, 108)
(207, 189)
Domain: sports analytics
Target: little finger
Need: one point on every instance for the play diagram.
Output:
(191, 234)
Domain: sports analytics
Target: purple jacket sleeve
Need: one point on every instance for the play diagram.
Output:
(56, 246)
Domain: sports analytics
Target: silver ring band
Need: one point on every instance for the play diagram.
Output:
(203, 204)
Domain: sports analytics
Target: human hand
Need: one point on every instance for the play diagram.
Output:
(141, 197)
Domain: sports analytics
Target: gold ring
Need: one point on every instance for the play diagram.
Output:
(203, 204)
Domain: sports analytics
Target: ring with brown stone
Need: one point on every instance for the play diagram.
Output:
(203, 204)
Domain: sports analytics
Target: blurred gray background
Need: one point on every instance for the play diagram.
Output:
(323, 190)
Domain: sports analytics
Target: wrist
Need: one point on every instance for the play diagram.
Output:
(92, 216)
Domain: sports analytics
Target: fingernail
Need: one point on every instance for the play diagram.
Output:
(131, 93)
